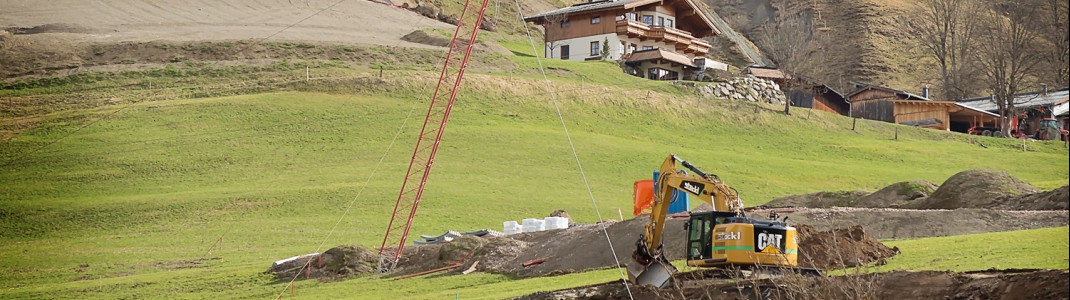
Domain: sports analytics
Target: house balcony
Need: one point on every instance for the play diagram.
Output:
(698, 46)
(682, 40)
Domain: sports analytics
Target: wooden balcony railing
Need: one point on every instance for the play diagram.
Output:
(681, 39)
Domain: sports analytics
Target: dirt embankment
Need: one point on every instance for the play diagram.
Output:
(1010, 285)
(987, 189)
(39, 37)
(567, 251)
(888, 223)
(337, 263)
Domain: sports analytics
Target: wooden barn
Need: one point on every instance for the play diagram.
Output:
(821, 97)
(900, 107)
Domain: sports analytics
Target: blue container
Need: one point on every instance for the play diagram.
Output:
(681, 201)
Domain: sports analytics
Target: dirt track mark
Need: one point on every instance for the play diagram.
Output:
(199, 20)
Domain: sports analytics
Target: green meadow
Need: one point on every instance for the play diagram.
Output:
(112, 189)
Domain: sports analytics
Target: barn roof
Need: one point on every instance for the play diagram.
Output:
(1036, 98)
(767, 73)
(905, 94)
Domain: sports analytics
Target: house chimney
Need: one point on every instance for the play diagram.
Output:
(1044, 88)
(925, 92)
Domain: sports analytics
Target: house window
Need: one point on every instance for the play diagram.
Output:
(668, 23)
(564, 52)
(620, 51)
(632, 16)
(661, 20)
(632, 47)
(648, 47)
(564, 24)
(596, 49)
(596, 20)
(648, 19)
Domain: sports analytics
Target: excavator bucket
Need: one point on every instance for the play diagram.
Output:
(656, 274)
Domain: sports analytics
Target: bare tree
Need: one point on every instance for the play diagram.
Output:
(947, 29)
(1056, 27)
(795, 48)
(1007, 53)
(555, 26)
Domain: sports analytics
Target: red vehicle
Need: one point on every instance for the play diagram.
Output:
(1048, 129)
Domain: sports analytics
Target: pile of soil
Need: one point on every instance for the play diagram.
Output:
(338, 263)
(895, 195)
(839, 248)
(977, 189)
(422, 37)
(1057, 199)
(888, 223)
(898, 194)
(819, 199)
(982, 188)
(419, 258)
(582, 248)
(993, 284)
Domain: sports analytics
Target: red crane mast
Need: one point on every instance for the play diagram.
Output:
(449, 82)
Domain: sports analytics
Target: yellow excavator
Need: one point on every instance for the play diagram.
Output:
(723, 237)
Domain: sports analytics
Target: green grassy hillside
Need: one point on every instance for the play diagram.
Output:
(114, 192)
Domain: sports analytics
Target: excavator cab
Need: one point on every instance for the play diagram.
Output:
(722, 239)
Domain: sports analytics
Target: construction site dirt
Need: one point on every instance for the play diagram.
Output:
(851, 233)
(584, 247)
(1003, 284)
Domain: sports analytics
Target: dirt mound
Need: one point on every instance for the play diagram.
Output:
(976, 189)
(888, 223)
(819, 199)
(337, 263)
(561, 213)
(422, 37)
(838, 248)
(895, 195)
(995, 284)
(1057, 199)
(898, 194)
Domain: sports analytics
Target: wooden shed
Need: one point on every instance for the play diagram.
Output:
(875, 102)
(900, 107)
(821, 97)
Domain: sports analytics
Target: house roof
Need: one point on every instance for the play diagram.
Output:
(907, 95)
(767, 73)
(958, 107)
(658, 53)
(1061, 109)
(593, 6)
(1021, 100)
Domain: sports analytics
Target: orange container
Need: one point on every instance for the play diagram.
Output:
(643, 196)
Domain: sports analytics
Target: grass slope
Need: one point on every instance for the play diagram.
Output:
(114, 200)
